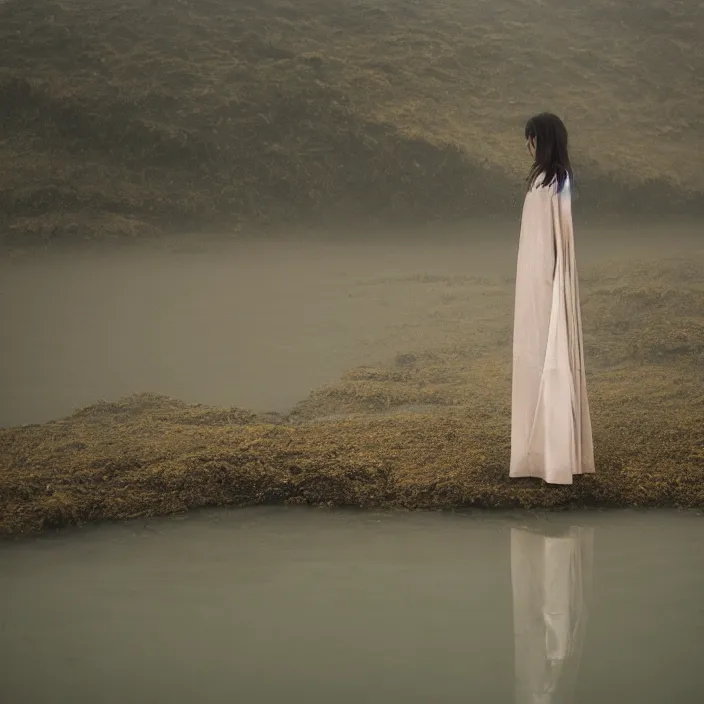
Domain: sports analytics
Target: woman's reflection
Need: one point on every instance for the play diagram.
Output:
(551, 574)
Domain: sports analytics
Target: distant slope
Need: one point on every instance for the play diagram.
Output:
(130, 116)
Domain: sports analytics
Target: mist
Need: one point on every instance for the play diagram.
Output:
(261, 324)
(257, 283)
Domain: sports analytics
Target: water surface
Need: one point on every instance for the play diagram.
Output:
(258, 324)
(277, 605)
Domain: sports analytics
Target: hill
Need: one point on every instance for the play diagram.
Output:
(127, 117)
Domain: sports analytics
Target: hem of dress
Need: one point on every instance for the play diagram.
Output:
(528, 475)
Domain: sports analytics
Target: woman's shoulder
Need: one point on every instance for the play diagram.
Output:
(539, 189)
(550, 189)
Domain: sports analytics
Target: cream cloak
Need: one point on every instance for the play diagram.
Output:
(551, 433)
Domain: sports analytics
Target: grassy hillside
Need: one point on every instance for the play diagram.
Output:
(130, 116)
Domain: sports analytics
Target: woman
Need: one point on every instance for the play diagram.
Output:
(551, 434)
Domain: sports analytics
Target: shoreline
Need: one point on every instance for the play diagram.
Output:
(150, 456)
(430, 429)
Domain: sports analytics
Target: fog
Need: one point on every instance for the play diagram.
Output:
(230, 205)
(258, 324)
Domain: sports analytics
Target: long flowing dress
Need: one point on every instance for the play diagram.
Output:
(551, 432)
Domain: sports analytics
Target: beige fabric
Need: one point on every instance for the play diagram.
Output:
(551, 433)
(551, 579)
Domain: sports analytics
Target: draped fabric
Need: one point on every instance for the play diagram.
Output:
(551, 433)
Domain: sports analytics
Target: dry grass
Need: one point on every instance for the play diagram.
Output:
(431, 430)
(120, 117)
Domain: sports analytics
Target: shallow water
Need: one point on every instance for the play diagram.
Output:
(254, 324)
(275, 605)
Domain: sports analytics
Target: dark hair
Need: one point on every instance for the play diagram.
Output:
(551, 156)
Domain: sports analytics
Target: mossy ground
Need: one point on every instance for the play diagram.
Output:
(430, 430)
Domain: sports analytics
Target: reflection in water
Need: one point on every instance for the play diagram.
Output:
(274, 604)
(551, 577)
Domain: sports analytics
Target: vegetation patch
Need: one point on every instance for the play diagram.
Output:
(430, 430)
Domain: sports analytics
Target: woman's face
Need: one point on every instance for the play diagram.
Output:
(530, 144)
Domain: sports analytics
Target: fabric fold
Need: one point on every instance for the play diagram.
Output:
(551, 434)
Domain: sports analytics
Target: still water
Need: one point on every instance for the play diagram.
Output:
(297, 605)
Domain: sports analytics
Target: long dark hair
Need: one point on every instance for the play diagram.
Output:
(551, 156)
